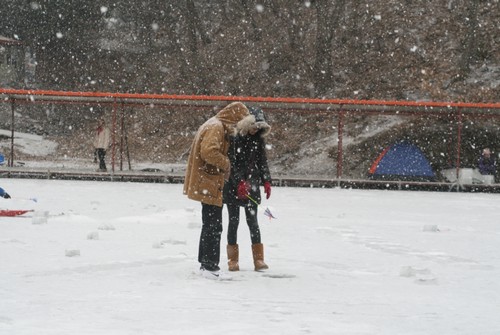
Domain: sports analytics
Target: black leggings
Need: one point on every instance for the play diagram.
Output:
(234, 221)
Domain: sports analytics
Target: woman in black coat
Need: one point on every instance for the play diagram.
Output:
(249, 170)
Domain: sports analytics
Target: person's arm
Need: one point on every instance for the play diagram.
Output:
(238, 159)
(492, 167)
(239, 166)
(265, 174)
(211, 148)
(107, 138)
(480, 165)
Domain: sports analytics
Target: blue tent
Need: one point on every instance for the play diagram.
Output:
(402, 161)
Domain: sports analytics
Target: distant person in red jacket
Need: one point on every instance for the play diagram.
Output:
(487, 164)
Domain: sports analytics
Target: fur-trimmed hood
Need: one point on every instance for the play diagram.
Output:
(256, 118)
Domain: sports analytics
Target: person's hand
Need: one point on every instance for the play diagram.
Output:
(243, 188)
(267, 189)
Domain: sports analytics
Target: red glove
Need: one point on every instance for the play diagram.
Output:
(267, 189)
(243, 188)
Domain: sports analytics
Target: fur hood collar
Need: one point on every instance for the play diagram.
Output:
(249, 121)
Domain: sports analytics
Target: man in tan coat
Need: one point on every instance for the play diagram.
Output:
(208, 166)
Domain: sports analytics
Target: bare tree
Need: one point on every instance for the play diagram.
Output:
(194, 29)
(470, 42)
(327, 14)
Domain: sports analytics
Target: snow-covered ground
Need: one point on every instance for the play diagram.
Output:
(341, 262)
(28, 143)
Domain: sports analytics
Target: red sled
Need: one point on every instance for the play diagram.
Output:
(14, 212)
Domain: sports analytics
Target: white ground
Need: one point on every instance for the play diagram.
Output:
(341, 262)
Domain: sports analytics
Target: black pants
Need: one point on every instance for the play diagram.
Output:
(101, 153)
(234, 221)
(211, 230)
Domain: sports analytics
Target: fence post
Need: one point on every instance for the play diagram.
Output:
(113, 136)
(459, 139)
(339, 143)
(122, 112)
(451, 119)
(10, 163)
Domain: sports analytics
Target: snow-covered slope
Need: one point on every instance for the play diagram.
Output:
(29, 144)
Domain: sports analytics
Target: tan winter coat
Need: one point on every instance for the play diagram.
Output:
(208, 157)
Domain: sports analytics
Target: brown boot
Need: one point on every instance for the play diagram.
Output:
(258, 257)
(233, 257)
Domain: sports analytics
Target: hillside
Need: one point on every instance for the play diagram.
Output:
(392, 50)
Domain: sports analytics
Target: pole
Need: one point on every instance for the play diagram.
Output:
(113, 137)
(459, 138)
(339, 144)
(126, 145)
(10, 163)
(121, 137)
(450, 141)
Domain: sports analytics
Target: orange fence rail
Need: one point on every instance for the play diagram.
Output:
(455, 110)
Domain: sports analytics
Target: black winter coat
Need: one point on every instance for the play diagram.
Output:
(247, 155)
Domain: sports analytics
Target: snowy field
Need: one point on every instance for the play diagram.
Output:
(341, 262)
